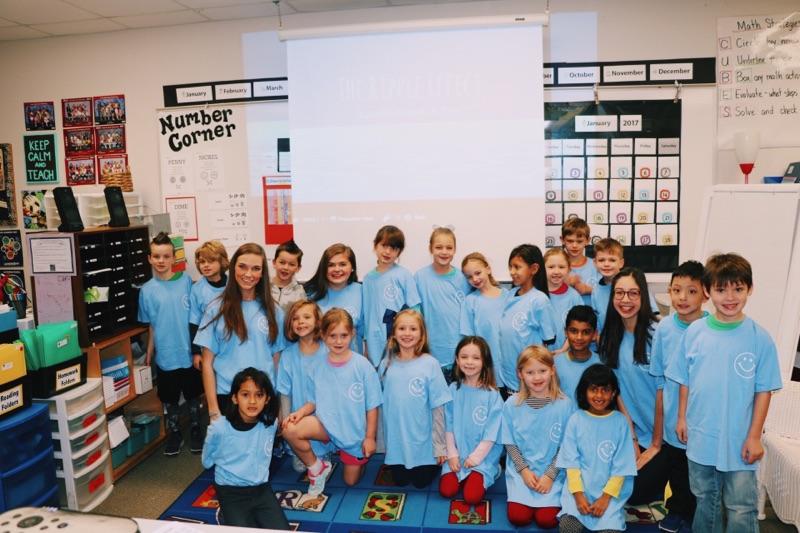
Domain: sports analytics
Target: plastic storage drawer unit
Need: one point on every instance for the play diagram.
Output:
(23, 436)
(28, 482)
(89, 486)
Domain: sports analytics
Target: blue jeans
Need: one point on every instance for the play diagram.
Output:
(736, 491)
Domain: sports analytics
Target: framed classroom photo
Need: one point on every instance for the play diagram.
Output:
(78, 142)
(40, 116)
(111, 165)
(76, 112)
(109, 109)
(81, 171)
(110, 139)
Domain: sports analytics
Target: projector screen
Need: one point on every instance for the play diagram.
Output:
(418, 129)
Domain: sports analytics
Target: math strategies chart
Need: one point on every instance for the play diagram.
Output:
(758, 78)
(617, 165)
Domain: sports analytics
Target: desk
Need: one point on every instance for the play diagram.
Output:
(164, 526)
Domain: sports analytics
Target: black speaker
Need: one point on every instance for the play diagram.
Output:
(67, 209)
(117, 211)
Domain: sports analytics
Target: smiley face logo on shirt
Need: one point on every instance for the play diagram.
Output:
(519, 322)
(416, 387)
(356, 392)
(745, 365)
(263, 326)
(460, 295)
(185, 301)
(390, 293)
(605, 450)
(555, 432)
(479, 415)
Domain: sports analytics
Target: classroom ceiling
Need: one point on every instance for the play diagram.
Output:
(35, 19)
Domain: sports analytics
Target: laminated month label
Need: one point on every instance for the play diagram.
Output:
(67, 377)
(11, 399)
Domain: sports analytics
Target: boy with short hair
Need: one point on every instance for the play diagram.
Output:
(727, 373)
(687, 297)
(575, 236)
(164, 305)
(609, 260)
(286, 290)
(581, 326)
(211, 260)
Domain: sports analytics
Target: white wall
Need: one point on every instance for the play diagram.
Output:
(138, 62)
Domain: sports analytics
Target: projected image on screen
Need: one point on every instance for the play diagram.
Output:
(418, 129)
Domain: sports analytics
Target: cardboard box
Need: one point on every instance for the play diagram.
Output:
(142, 379)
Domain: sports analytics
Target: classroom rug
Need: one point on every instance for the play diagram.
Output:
(375, 505)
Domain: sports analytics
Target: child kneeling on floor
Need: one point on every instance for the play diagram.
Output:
(239, 446)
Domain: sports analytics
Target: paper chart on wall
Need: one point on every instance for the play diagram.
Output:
(616, 165)
(758, 78)
(177, 176)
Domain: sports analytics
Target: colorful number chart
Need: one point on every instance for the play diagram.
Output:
(616, 165)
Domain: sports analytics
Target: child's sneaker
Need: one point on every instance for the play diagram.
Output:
(196, 438)
(316, 484)
(174, 443)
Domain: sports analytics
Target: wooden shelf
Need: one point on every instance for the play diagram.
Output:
(144, 453)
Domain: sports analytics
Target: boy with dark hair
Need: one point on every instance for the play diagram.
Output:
(727, 372)
(687, 297)
(575, 236)
(286, 290)
(580, 329)
(164, 305)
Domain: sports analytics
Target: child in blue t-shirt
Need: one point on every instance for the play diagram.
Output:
(335, 284)
(483, 307)
(414, 395)
(388, 289)
(581, 324)
(472, 424)
(597, 454)
(239, 447)
(527, 318)
(562, 296)
(442, 289)
(728, 372)
(164, 305)
(343, 394)
(687, 296)
(575, 236)
(211, 260)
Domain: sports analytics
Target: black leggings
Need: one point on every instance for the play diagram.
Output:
(571, 524)
(251, 507)
(419, 476)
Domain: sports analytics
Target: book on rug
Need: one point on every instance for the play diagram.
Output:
(463, 513)
(383, 506)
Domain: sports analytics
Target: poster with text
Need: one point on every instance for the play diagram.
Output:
(277, 192)
(183, 216)
(40, 158)
(8, 209)
(616, 164)
(10, 248)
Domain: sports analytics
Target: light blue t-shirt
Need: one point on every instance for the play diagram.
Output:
(475, 415)
(385, 291)
(165, 306)
(589, 275)
(232, 355)
(569, 372)
(480, 315)
(537, 433)
(239, 458)
(724, 369)
(411, 390)
(666, 344)
(600, 446)
(638, 390)
(342, 396)
(202, 294)
(442, 296)
(562, 303)
(526, 320)
(348, 298)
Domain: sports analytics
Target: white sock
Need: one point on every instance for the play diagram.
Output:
(316, 468)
